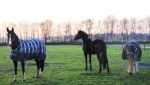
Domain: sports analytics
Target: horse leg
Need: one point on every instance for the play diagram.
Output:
(105, 61)
(107, 64)
(136, 65)
(42, 65)
(38, 67)
(41, 68)
(133, 68)
(90, 61)
(85, 55)
(15, 69)
(100, 62)
(23, 70)
(130, 67)
(107, 67)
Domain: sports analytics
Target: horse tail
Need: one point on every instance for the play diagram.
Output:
(124, 54)
(104, 57)
(105, 61)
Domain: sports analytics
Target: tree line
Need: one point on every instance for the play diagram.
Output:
(110, 29)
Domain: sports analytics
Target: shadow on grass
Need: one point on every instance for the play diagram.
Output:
(5, 71)
(144, 65)
(28, 65)
(46, 64)
(89, 73)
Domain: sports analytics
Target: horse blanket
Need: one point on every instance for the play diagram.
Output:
(29, 49)
(132, 47)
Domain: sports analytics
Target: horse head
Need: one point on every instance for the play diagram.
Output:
(12, 38)
(80, 35)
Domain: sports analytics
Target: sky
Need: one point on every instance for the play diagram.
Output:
(64, 10)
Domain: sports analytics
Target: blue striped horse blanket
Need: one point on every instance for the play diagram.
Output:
(29, 49)
(133, 47)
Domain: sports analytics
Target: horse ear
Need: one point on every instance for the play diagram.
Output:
(12, 29)
(7, 29)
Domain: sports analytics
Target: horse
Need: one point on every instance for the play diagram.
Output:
(132, 52)
(22, 50)
(90, 47)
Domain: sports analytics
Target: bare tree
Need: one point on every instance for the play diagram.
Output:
(12, 25)
(101, 29)
(24, 28)
(148, 23)
(46, 28)
(34, 30)
(88, 25)
(140, 26)
(68, 31)
(106, 26)
(3, 33)
(124, 31)
(111, 22)
(58, 33)
(133, 26)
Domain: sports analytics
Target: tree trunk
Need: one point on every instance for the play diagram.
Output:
(45, 38)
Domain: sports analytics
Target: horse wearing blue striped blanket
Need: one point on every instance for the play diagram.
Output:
(132, 52)
(22, 50)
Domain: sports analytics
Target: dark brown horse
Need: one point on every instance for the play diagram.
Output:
(93, 47)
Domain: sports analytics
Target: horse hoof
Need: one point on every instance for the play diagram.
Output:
(24, 79)
(14, 80)
(108, 71)
(39, 76)
(130, 74)
(90, 69)
(100, 71)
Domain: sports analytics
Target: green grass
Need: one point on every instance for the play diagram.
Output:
(65, 66)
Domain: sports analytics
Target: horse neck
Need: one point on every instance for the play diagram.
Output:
(86, 40)
(15, 43)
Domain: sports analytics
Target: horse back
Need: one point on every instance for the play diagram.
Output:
(99, 45)
(29, 49)
(31, 46)
(134, 48)
(94, 46)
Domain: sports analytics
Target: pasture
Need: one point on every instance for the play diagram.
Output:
(65, 65)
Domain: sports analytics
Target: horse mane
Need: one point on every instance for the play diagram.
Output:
(16, 35)
(85, 35)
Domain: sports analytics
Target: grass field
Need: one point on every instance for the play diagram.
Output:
(65, 66)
